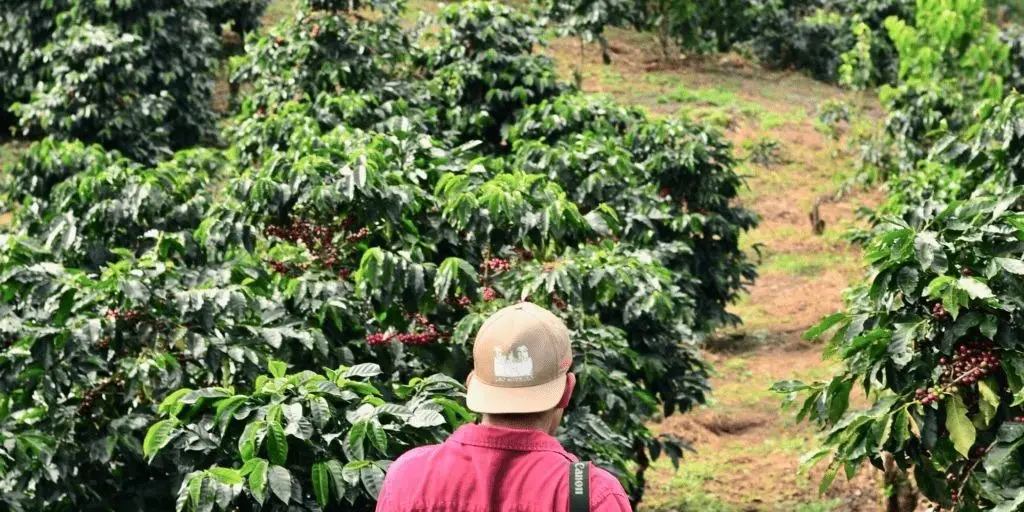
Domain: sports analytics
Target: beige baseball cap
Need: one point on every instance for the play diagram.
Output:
(520, 358)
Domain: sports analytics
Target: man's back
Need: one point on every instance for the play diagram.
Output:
(492, 469)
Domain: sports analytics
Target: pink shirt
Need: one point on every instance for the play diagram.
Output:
(492, 469)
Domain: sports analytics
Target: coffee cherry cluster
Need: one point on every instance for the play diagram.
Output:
(1016, 419)
(378, 338)
(358, 235)
(664, 192)
(90, 396)
(927, 395)
(123, 315)
(489, 294)
(939, 312)
(318, 239)
(463, 301)
(412, 338)
(279, 267)
(559, 302)
(421, 338)
(103, 343)
(301, 232)
(970, 364)
(495, 265)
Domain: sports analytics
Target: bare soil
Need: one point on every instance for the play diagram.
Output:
(748, 450)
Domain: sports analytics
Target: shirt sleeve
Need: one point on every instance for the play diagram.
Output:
(613, 502)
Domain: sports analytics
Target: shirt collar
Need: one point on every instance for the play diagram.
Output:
(502, 438)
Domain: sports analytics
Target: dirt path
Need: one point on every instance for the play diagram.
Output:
(748, 450)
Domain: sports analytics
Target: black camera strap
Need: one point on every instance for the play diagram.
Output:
(579, 487)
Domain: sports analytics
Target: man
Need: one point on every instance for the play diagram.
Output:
(510, 462)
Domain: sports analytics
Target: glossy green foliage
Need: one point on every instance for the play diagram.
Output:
(305, 440)
(950, 58)
(382, 192)
(940, 287)
(135, 76)
(932, 336)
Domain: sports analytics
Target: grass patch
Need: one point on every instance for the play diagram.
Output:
(756, 317)
(803, 265)
(714, 96)
(773, 119)
(684, 489)
(278, 10)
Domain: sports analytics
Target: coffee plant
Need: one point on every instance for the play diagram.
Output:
(136, 76)
(290, 420)
(932, 340)
(383, 190)
(931, 337)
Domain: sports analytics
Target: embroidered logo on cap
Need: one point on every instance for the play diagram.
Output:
(513, 366)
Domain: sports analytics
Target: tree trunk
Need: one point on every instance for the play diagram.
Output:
(900, 493)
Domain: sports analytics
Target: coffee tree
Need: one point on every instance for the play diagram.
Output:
(932, 336)
(133, 76)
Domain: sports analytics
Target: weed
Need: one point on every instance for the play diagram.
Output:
(764, 151)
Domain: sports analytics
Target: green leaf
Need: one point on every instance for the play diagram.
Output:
(277, 444)
(226, 409)
(258, 480)
(373, 479)
(990, 327)
(975, 288)
(829, 476)
(171, 405)
(1012, 266)
(355, 438)
(362, 370)
(929, 253)
(938, 286)
(335, 469)
(961, 430)
(900, 428)
(350, 473)
(278, 368)
(321, 483)
(824, 325)
(838, 397)
(226, 476)
(157, 437)
(989, 402)
(901, 349)
(195, 488)
(425, 418)
(281, 483)
(247, 441)
(320, 411)
(378, 438)
(249, 466)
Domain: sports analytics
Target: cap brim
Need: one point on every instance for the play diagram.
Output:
(487, 399)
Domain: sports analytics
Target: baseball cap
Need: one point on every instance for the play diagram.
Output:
(520, 358)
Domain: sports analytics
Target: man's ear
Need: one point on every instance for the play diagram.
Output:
(570, 385)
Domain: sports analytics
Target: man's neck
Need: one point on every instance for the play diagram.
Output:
(510, 421)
